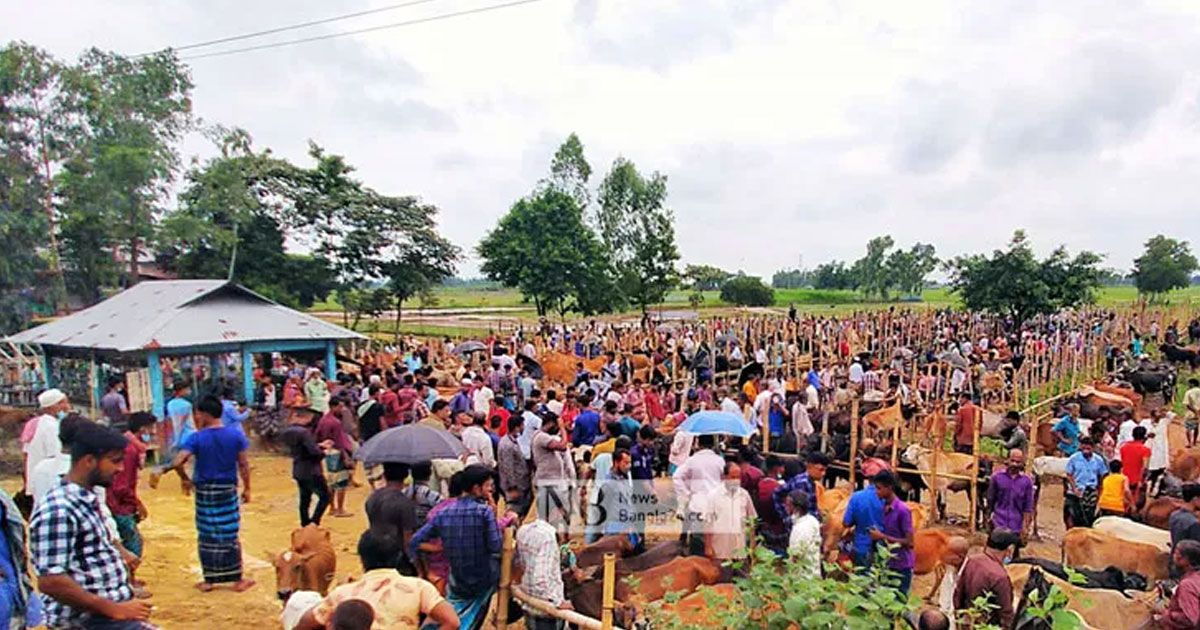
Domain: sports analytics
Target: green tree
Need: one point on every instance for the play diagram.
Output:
(704, 277)
(544, 248)
(229, 223)
(745, 290)
(638, 231)
(32, 138)
(1166, 264)
(834, 275)
(792, 279)
(23, 220)
(871, 270)
(907, 269)
(132, 113)
(570, 172)
(1013, 282)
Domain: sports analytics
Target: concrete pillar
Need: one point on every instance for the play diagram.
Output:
(248, 375)
(331, 360)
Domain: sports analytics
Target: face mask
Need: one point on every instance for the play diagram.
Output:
(60, 415)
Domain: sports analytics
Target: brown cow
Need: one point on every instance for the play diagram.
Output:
(1185, 464)
(1158, 511)
(657, 555)
(693, 611)
(884, 418)
(1093, 549)
(559, 367)
(1126, 392)
(681, 575)
(593, 554)
(308, 565)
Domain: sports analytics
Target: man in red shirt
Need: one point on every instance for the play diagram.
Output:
(391, 407)
(964, 424)
(1134, 456)
(123, 501)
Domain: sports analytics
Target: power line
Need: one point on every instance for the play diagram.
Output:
(434, 18)
(282, 29)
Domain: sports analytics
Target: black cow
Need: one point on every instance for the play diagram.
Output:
(1152, 380)
(1178, 354)
(1110, 578)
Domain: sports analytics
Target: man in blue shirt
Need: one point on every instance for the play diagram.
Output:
(231, 414)
(461, 401)
(1066, 431)
(471, 543)
(864, 513)
(1085, 469)
(587, 424)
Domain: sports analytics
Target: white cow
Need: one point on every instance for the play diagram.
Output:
(1126, 529)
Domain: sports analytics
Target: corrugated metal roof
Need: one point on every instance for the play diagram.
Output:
(177, 314)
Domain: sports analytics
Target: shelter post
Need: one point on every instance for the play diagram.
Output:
(47, 377)
(331, 360)
(248, 374)
(154, 368)
(939, 433)
(97, 390)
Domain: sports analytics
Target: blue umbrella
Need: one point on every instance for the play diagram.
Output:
(710, 422)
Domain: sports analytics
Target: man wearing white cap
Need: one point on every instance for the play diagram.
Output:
(40, 436)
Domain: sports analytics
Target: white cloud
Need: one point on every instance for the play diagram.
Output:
(785, 127)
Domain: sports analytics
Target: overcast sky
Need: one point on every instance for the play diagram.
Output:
(786, 129)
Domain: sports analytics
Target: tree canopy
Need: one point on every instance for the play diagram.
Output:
(1014, 282)
(1165, 265)
(704, 277)
(747, 291)
(638, 232)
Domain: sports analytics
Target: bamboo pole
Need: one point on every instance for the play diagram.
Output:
(939, 430)
(853, 438)
(506, 560)
(610, 582)
(550, 610)
(974, 487)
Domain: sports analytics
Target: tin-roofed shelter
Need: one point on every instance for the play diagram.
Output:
(179, 318)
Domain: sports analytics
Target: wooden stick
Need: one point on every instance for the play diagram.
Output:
(506, 560)
(610, 583)
(853, 438)
(939, 439)
(550, 610)
(974, 487)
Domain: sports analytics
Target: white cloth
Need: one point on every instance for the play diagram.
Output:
(479, 447)
(945, 594)
(1160, 448)
(1124, 434)
(726, 509)
(801, 423)
(812, 398)
(555, 407)
(299, 603)
(697, 477)
(856, 372)
(729, 405)
(681, 448)
(804, 544)
(483, 399)
(44, 445)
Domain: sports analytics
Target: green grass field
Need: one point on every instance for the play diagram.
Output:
(805, 299)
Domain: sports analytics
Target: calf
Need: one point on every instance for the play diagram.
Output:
(308, 565)
(1093, 549)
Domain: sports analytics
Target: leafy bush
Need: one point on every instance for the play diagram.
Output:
(747, 291)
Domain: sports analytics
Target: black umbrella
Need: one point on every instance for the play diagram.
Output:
(750, 371)
(531, 365)
(409, 444)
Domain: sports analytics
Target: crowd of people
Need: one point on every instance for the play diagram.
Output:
(592, 454)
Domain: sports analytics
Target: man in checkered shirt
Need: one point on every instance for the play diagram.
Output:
(83, 581)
